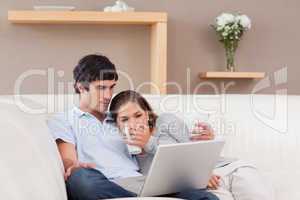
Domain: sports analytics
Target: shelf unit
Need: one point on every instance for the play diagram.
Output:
(232, 75)
(85, 17)
(156, 20)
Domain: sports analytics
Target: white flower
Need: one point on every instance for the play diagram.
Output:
(219, 28)
(244, 20)
(220, 22)
(225, 18)
(235, 25)
(227, 28)
(224, 34)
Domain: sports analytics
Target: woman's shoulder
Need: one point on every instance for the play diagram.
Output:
(168, 116)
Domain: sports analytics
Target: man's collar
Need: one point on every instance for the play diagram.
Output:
(79, 112)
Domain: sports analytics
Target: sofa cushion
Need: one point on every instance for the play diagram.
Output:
(30, 167)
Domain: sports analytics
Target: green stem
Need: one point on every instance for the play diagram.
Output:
(230, 49)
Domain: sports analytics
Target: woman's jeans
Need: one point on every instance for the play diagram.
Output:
(90, 184)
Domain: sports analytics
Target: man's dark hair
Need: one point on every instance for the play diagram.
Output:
(93, 68)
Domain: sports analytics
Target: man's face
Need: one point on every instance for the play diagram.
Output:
(98, 97)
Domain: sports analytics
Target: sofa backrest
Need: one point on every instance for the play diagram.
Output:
(259, 128)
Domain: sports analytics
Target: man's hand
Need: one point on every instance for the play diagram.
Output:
(139, 136)
(76, 166)
(202, 131)
(214, 182)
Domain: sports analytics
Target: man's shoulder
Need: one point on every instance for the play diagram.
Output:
(61, 126)
(66, 116)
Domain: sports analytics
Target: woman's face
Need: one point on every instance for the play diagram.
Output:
(132, 115)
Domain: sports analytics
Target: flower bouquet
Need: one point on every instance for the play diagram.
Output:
(230, 29)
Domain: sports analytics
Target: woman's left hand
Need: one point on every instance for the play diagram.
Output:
(214, 182)
(139, 136)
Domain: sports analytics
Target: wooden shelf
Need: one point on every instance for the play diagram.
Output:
(85, 17)
(156, 20)
(233, 75)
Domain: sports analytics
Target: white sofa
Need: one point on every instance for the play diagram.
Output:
(262, 129)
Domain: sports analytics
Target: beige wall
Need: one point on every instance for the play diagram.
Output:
(272, 44)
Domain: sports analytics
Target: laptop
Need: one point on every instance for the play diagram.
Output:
(177, 167)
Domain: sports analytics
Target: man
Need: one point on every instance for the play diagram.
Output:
(93, 152)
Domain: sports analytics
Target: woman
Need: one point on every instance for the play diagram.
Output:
(235, 180)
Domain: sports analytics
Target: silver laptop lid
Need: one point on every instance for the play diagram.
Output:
(177, 167)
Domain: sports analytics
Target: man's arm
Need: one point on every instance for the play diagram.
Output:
(67, 152)
(62, 133)
(69, 157)
(202, 131)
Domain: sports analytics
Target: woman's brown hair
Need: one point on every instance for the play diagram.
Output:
(131, 96)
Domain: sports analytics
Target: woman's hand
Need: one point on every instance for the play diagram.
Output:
(139, 136)
(214, 182)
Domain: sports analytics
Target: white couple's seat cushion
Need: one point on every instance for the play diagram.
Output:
(30, 167)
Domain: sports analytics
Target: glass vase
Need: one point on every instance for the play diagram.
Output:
(230, 49)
